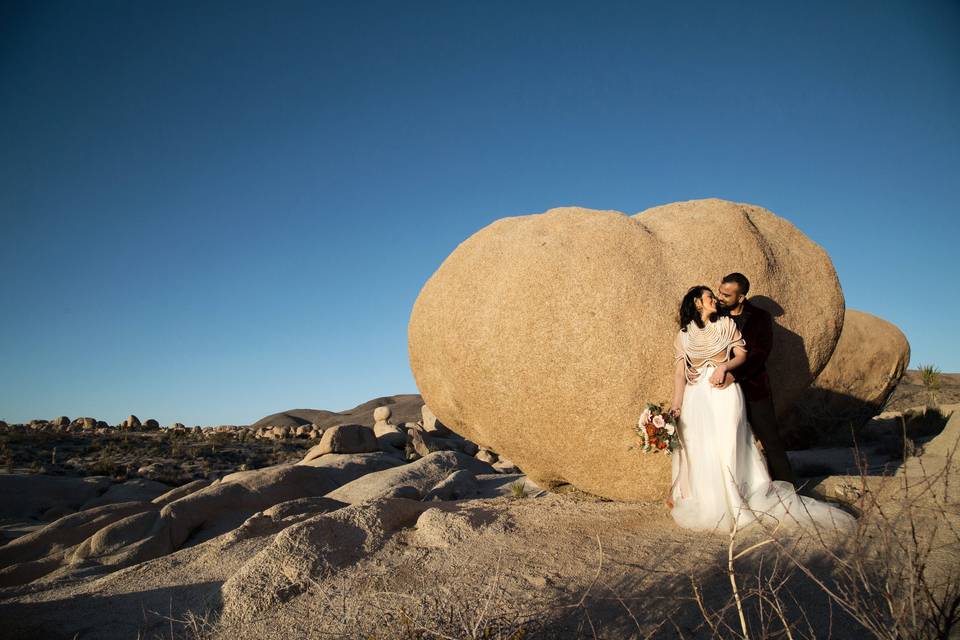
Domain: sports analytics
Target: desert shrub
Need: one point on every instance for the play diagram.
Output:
(518, 489)
(930, 375)
(107, 467)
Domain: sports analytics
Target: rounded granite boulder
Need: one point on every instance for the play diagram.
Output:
(871, 357)
(543, 336)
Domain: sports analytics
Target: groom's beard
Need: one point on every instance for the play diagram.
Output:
(722, 310)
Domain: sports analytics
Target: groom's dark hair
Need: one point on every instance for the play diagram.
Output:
(740, 280)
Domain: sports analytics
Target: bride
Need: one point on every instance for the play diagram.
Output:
(719, 477)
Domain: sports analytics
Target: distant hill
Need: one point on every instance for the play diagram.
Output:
(404, 408)
(910, 392)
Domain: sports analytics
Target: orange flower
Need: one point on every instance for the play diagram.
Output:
(661, 445)
(651, 430)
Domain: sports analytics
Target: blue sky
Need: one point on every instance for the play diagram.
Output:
(214, 211)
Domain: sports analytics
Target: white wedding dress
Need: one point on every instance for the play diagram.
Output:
(720, 477)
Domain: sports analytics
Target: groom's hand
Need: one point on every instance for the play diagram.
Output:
(727, 380)
(717, 378)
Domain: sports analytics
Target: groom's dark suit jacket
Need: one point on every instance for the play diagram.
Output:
(756, 327)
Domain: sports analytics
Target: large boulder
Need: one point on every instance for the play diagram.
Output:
(871, 357)
(543, 336)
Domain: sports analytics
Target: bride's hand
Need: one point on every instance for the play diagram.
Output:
(716, 378)
(675, 412)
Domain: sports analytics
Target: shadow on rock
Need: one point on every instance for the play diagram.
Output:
(139, 614)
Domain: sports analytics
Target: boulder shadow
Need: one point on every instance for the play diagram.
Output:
(137, 614)
(791, 354)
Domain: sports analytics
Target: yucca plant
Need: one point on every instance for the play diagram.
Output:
(931, 381)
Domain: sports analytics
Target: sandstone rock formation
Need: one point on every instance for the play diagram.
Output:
(345, 438)
(117, 535)
(29, 496)
(542, 336)
(871, 357)
(313, 548)
(431, 424)
(423, 475)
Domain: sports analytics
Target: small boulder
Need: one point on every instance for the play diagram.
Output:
(485, 455)
(381, 414)
(422, 444)
(346, 438)
(431, 424)
(468, 447)
(458, 485)
(382, 428)
(450, 525)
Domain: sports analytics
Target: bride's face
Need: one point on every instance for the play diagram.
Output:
(707, 302)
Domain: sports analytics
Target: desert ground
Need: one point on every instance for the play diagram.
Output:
(277, 530)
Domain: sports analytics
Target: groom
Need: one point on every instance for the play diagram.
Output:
(756, 327)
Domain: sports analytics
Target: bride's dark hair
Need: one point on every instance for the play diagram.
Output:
(688, 308)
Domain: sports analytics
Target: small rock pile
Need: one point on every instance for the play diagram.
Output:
(408, 442)
(87, 425)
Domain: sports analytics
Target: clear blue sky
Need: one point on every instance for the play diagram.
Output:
(215, 211)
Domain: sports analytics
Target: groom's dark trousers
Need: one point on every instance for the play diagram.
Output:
(756, 327)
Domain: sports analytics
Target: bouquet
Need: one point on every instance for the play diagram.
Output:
(657, 430)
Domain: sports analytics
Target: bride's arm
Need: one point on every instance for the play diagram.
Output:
(739, 357)
(679, 384)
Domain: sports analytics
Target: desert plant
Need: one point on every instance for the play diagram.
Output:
(518, 489)
(931, 382)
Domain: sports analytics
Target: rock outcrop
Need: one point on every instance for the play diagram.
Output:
(543, 336)
(314, 548)
(119, 535)
(871, 357)
(422, 475)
